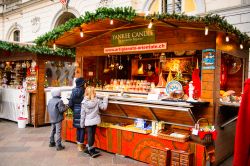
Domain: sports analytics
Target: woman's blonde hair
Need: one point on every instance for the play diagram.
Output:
(90, 92)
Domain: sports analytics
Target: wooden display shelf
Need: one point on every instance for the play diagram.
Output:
(131, 128)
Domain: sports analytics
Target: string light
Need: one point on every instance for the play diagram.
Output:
(111, 22)
(54, 45)
(150, 24)
(206, 30)
(241, 46)
(81, 33)
(227, 38)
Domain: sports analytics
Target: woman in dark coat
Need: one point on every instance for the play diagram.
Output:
(75, 104)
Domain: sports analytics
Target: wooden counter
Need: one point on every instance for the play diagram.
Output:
(135, 145)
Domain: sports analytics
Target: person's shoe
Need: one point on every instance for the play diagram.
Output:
(80, 147)
(94, 153)
(86, 152)
(60, 147)
(52, 144)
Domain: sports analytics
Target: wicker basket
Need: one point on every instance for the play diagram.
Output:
(207, 140)
(166, 135)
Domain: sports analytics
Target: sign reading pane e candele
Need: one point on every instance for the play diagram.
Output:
(133, 37)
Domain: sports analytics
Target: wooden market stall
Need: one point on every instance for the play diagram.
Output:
(118, 36)
(25, 63)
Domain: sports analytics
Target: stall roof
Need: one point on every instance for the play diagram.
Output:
(98, 23)
(32, 48)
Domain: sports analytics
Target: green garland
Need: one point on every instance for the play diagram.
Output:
(209, 19)
(128, 14)
(43, 50)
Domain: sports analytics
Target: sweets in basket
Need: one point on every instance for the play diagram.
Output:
(204, 135)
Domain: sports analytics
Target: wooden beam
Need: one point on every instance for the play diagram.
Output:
(153, 114)
(120, 109)
(169, 24)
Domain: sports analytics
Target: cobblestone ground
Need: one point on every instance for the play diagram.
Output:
(29, 147)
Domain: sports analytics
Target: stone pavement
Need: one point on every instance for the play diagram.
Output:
(29, 147)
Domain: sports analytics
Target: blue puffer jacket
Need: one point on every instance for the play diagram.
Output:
(75, 104)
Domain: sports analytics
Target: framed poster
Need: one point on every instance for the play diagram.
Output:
(208, 59)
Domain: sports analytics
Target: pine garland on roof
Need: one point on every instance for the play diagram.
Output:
(42, 50)
(128, 14)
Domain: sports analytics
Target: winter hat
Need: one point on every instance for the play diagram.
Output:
(79, 82)
(56, 92)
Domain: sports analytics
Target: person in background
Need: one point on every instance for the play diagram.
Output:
(90, 111)
(152, 76)
(242, 136)
(56, 108)
(75, 104)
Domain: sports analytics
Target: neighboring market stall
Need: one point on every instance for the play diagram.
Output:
(166, 75)
(24, 75)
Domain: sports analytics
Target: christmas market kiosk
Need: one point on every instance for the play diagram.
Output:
(174, 82)
(25, 71)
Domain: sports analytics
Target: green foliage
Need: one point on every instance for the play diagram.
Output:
(41, 50)
(128, 14)
(209, 19)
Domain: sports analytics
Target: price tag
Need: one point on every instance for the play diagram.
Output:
(195, 132)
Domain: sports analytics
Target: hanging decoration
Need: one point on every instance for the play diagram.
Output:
(120, 67)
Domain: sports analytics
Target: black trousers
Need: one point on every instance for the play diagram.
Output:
(80, 132)
(91, 135)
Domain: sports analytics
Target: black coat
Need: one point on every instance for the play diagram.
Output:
(75, 104)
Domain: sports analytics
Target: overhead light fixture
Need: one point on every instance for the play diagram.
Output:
(54, 45)
(111, 22)
(227, 38)
(241, 46)
(81, 33)
(206, 30)
(150, 24)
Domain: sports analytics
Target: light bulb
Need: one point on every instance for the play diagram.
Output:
(206, 30)
(111, 22)
(81, 33)
(150, 25)
(241, 46)
(54, 46)
(227, 38)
